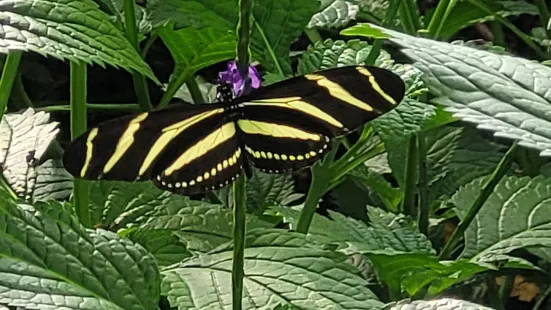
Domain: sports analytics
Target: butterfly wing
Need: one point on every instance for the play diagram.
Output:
(210, 161)
(296, 118)
(128, 148)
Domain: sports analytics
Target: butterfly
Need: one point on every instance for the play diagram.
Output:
(278, 128)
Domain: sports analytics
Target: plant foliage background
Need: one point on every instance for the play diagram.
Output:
(443, 203)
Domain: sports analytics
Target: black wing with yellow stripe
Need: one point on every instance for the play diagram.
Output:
(282, 127)
(288, 125)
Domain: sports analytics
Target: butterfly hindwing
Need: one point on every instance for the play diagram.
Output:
(211, 161)
(289, 125)
(127, 148)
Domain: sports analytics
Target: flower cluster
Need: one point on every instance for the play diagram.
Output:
(232, 76)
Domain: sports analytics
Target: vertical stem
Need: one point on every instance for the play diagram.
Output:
(239, 226)
(313, 35)
(78, 126)
(239, 203)
(543, 15)
(194, 90)
(408, 204)
(140, 83)
(423, 185)
(497, 32)
(409, 17)
(485, 193)
(318, 187)
(9, 73)
(378, 44)
(438, 18)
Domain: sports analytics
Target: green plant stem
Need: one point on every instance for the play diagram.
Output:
(543, 15)
(387, 20)
(540, 304)
(239, 226)
(524, 37)
(94, 106)
(140, 83)
(148, 44)
(497, 32)
(505, 289)
(239, 203)
(9, 74)
(438, 20)
(318, 187)
(485, 192)
(493, 292)
(78, 126)
(20, 94)
(194, 91)
(313, 35)
(423, 185)
(410, 183)
(409, 16)
(269, 49)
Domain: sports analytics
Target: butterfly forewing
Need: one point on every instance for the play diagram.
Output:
(299, 116)
(127, 148)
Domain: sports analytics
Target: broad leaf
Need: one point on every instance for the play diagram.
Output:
(506, 95)
(353, 236)
(165, 245)
(414, 272)
(265, 190)
(24, 139)
(334, 14)
(281, 268)
(193, 50)
(49, 261)
(370, 179)
(438, 304)
(330, 54)
(276, 23)
(76, 30)
(516, 215)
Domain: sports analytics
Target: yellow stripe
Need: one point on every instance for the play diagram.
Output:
(337, 91)
(297, 104)
(125, 141)
(275, 130)
(208, 143)
(89, 151)
(170, 133)
(375, 85)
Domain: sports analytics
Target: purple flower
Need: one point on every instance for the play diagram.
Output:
(233, 77)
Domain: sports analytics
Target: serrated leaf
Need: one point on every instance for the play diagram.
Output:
(334, 14)
(457, 156)
(24, 139)
(276, 23)
(516, 215)
(413, 272)
(390, 195)
(201, 226)
(395, 129)
(166, 246)
(266, 190)
(439, 304)
(330, 54)
(49, 261)
(279, 270)
(76, 30)
(193, 50)
(353, 236)
(506, 95)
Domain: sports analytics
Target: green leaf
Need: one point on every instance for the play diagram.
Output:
(364, 30)
(280, 268)
(413, 272)
(49, 261)
(391, 196)
(395, 128)
(438, 304)
(199, 225)
(503, 94)
(24, 140)
(265, 190)
(193, 50)
(330, 54)
(166, 246)
(76, 30)
(516, 215)
(353, 236)
(334, 14)
(456, 156)
(464, 14)
(276, 23)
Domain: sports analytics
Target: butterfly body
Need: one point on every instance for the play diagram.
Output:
(279, 128)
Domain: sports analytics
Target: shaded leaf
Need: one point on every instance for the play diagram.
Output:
(334, 14)
(266, 190)
(438, 304)
(278, 271)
